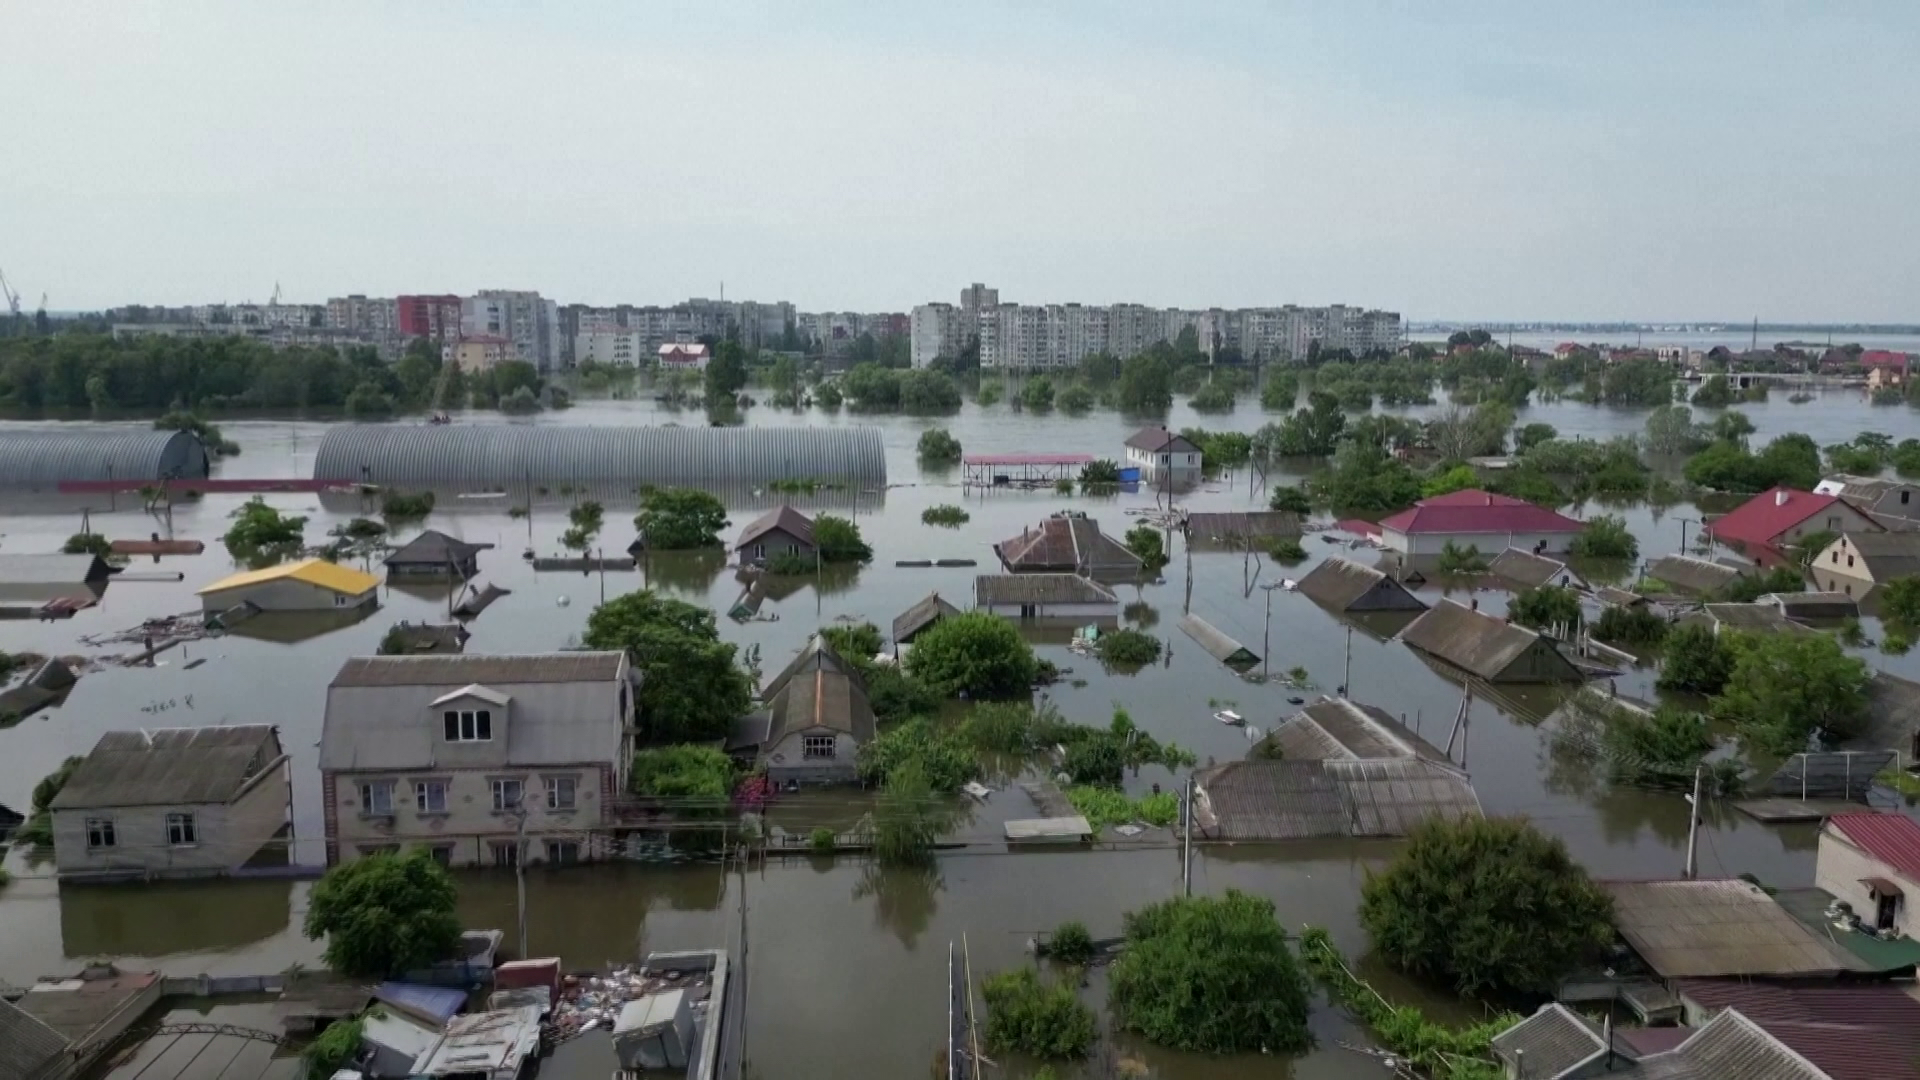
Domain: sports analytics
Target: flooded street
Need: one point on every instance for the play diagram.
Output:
(846, 965)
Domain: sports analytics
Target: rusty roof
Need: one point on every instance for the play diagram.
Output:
(1337, 583)
(1475, 641)
(1069, 542)
(1685, 929)
(784, 518)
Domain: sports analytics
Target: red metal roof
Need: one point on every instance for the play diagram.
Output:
(1028, 459)
(1852, 1032)
(1883, 358)
(1357, 526)
(1764, 517)
(1894, 839)
(1475, 511)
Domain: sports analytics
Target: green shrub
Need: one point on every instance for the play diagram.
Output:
(697, 777)
(399, 504)
(1630, 626)
(1606, 537)
(87, 544)
(1287, 550)
(946, 515)
(944, 761)
(939, 447)
(1129, 648)
(1027, 1015)
(1100, 471)
(1210, 974)
(822, 840)
(1070, 943)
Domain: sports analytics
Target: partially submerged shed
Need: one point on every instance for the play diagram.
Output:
(434, 554)
(1217, 644)
(1346, 587)
(1814, 605)
(1265, 799)
(1335, 728)
(54, 577)
(1488, 647)
(1045, 596)
(929, 610)
(1525, 570)
(1759, 618)
(1238, 530)
(1698, 577)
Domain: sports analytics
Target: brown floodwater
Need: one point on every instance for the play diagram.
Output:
(846, 964)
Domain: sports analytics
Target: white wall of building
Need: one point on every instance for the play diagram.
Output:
(1490, 544)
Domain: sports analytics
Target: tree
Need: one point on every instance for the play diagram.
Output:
(938, 447)
(1732, 426)
(726, 371)
(1215, 397)
(1100, 368)
(1547, 607)
(384, 915)
(1606, 537)
(1144, 540)
(1671, 430)
(692, 689)
(1100, 471)
(1458, 478)
(1075, 399)
(260, 529)
(1749, 587)
(1458, 434)
(1532, 435)
(1694, 658)
(1786, 689)
(1630, 626)
(1146, 384)
(1210, 974)
(1027, 1015)
(1900, 602)
(857, 644)
(679, 519)
(1037, 395)
(1455, 559)
(694, 777)
(1714, 393)
(906, 822)
(1364, 478)
(838, 540)
(872, 387)
(944, 759)
(1281, 390)
(1070, 943)
(975, 654)
(1312, 431)
(925, 391)
(1286, 497)
(1485, 905)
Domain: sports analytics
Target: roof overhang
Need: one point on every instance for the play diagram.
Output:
(474, 690)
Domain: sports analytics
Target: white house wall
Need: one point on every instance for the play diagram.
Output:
(227, 834)
(1490, 544)
(470, 824)
(786, 760)
(1839, 868)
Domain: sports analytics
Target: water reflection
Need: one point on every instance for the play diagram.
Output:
(689, 573)
(904, 899)
(164, 918)
(293, 627)
(589, 915)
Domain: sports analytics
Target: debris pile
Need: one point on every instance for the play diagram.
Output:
(590, 1002)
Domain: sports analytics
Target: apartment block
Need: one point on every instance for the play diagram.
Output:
(371, 314)
(530, 322)
(436, 318)
(610, 346)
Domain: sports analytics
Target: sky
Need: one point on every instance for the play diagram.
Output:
(1460, 160)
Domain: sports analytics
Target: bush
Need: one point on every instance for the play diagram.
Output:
(1037, 395)
(1075, 399)
(945, 515)
(1070, 943)
(1287, 550)
(823, 841)
(1630, 626)
(939, 447)
(1900, 602)
(1695, 659)
(1458, 478)
(906, 820)
(1747, 588)
(336, 1048)
(1129, 648)
(1784, 690)
(857, 645)
(1671, 740)
(260, 529)
(1212, 398)
(1485, 905)
(1063, 486)
(1547, 607)
(974, 654)
(838, 540)
(398, 504)
(1099, 762)
(1291, 498)
(895, 695)
(87, 544)
(384, 915)
(1210, 974)
(1606, 537)
(679, 519)
(944, 761)
(1027, 1015)
(696, 777)
(1458, 560)
(1100, 471)
(1144, 540)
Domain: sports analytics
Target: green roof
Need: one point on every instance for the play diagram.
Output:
(1810, 907)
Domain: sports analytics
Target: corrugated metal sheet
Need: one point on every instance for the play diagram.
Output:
(1480, 643)
(1218, 645)
(1697, 929)
(174, 766)
(1335, 728)
(492, 455)
(1339, 584)
(1828, 774)
(1550, 1043)
(43, 457)
(1730, 1045)
(1893, 839)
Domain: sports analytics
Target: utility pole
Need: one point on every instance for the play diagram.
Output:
(520, 867)
(1693, 820)
(1684, 522)
(1266, 634)
(1346, 678)
(1186, 842)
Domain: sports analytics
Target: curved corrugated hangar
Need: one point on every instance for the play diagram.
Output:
(44, 457)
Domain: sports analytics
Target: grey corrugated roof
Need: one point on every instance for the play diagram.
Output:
(1237, 527)
(1388, 798)
(1157, 440)
(169, 767)
(1753, 618)
(563, 710)
(27, 1044)
(1302, 800)
(1887, 555)
(434, 548)
(52, 569)
(1730, 1045)
(1039, 589)
(479, 668)
(493, 454)
(1551, 1043)
(1337, 583)
(1473, 640)
(818, 689)
(1218, 645)
(1528, 570)
(1688, 574)
(1698, 929)
(1814, 605)
(1607, 594)
(782, 517)
(1338, 728)
(42, 457)
(1893, 713)
(921, 615)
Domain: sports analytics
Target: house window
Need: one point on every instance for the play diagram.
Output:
(505, 855)
(1833, 524)
(441, 853)
(100, 832)
(1836, 558)
(561, 792)
(376, 799)
(1849, 560)
(506, 794)
(430, 796)
(817, 746)
(469, 725)
(180, 830)
(563, 852)
(341, 600)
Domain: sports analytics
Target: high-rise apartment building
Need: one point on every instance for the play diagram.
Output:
(531, 323)
(977, 297)
(611, 346)
(436, 318)
(378, 315)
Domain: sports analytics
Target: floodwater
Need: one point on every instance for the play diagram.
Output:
(846, 965)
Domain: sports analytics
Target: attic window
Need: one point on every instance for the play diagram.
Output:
(469, 725)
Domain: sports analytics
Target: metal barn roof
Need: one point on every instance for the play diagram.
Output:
(43, 457)
(490, 455)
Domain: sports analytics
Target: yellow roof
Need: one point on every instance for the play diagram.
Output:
(330, 576)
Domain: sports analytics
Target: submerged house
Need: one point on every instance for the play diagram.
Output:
(309, 585)
(434, 554)
(1347, 587)
(1068, 543)
(178, 802)
(1893, 503)
(1478, 519)
(1217, 644)
(1489, 647)
(54, 577)
(1339, 729)
(1523, 569)
(910, 623)
(781, 532)
(1163, 457)
(1857, 562)
(1783, 515)
(1761, 618)
(1692, 576)
(1066, 597)
(815, 717)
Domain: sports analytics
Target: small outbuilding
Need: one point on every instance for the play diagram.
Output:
(1696, 577)
(1523, 569)
(1751, 618)
(908, 624)
(1066, 597)
(1347, 587)
(780, 532)
(434, 554)
(310, 585)
(1489, 647)
(1217, 644)
(53, 577)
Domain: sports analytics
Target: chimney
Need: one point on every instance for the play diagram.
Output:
(1780, 497)
(1475, 604)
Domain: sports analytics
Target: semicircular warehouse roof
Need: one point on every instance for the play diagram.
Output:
(499, 454)
(43, 457)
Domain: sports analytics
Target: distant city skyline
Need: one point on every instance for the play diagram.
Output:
(1641, 161)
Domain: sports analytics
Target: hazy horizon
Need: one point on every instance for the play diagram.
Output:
(1638, 162)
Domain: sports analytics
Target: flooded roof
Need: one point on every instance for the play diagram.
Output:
(26, 1044)
(784, 518)
(1530, 571)
(1340, 584)
(818, 690)
(1688, 574)
(489, 1042)
(1068, 542)
(1158, 440)
(53, 569)
(175, 766)
(1240, 526)
(921, 615)
(1217, 644)
(1551, 1043)
(1693, 929)
(318, 572)
(1483, 644)
(1607, 594)
(1813, 605)
(1305, 800)
(1731, 1045)
(1337, 728)
(1887, 555)
(997, 589)
(1753, 618)
(78, 1008)
(1475, 512)
(480, 668)
(1893, 713)
(434, 548)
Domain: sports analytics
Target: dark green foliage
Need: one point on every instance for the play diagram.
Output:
(400, 506)
(1786, 689)
(1906, 456)
(1075, 399)
(1027, 1015)
(1485, 905)
(1210, 974)
(1287, 550)
(945, 515)
(1526, 482)
(1313, 431)
(585, 520)
(1220, 450)
(1442, 1052)
(1792, 460)
(691, 690)
(1070, 943)
(1810, 545)
(838, 540)
(1455, 559)
(1630, 626)
(1533, 435)
(1695, 659)
(1214, 397)
(1714, 393)
(259, 530)
(822, 840)
(1144, 540)
(942, 756)
(1129, 648)
(1845, 458)
(1457, 478)
(895, 695)
(87, 544)
(1281, 390)
(906, 819)
(726, 371)
(694, 778)
(1671, 430)
(209, 435)
(1364, 478)
(857, 645)
(334, 1049)
(1670, 741)
(939, 447)
(679, 519)
(1900, 602)
(384, 915)
(1747, 588)
(1101, 762)
(1287, 497)
(975, 654)
(1606, 537)
(1547, 607)
(1100, 471)
(1037, 394)
(37, 831)
(1146, 384)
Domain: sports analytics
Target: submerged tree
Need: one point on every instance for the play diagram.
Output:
(1210, 974)
(384, 915)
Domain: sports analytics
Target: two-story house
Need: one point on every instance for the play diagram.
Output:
(447, 753)
(174, 802)
(1163, 456)
(1872, 861)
